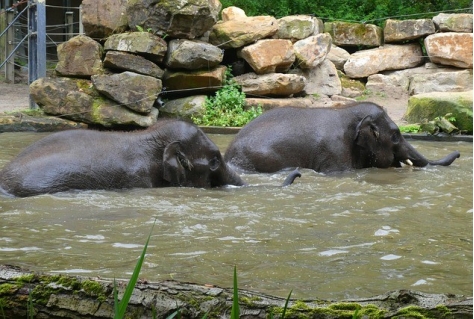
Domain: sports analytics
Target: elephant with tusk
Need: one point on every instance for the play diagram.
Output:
(324, 139)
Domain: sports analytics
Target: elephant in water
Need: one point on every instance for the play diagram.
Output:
(169, 153)
(324, 139)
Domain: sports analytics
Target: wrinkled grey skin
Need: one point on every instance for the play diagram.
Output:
(169, 153)
(324, 139)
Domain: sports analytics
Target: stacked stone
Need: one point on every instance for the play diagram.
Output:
(136, 53)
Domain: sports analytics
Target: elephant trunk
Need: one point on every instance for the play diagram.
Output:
(415, 158)
(232, 178)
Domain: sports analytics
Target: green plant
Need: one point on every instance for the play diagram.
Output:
(140, 29)
(226, 107)
(121, 306)
(410, 128)
(235, 312)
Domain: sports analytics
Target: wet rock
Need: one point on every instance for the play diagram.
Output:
(103, 18)
(240, 32)
(77, 100)
(174, 18)
(192, 55)
(123, 61)
(131, 90)
(269, 56)
(81, 56)
(145, 44)
(19, 122)
(450, 48)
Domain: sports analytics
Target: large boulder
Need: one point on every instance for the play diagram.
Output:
(322, 79)
(310, 52)
(124, 61)
(295, 27)
(187, 19)
(232, 13)
(354, 34)
(269, 56)
(338, 56)
(77, 100)
(427, 106)
(192, 55)
(200, 81)
(134, 91)
(240, 32)
(389, 57)
(145, 44)
(81, 56)
(273, 84)
(103, 18)
(185, 107)
(404, 30)
(455, 81)
(450, 48)
(454, 22)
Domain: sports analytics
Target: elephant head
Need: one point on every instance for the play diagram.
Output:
(381, 144)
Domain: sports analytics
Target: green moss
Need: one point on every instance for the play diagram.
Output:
(249, 302)
(339, 310)
(8, 289)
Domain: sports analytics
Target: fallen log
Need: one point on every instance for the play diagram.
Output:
(24, 293)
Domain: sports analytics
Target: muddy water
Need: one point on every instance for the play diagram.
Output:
(354, 235)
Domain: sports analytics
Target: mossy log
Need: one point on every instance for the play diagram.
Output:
(23, 292)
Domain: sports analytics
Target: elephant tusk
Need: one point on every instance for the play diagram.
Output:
(408, 162)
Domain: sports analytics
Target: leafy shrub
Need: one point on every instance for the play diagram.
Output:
(226, 107)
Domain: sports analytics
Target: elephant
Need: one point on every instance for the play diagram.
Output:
(169, 153)
(326, 140)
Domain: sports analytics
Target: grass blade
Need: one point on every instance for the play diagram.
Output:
(122, 305)
(286, 305)
(235, 312)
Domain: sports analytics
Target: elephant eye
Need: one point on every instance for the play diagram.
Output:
(214, 164)
(395, 138)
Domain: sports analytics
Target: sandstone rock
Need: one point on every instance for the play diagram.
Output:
(338, 56)
(240, 32)
(295, 27)
(145, 44)
(456, 81)
(103, 18)
(192, 55)
(203, 81)
(354, 34)
(310, 52)
(453, 22)
(428, 106)
(274, 84)
(81, 56)
(184, 107)
(174, 18)
(125, 61)
(77, 100)
(269, 56)
(318, 26)
(450, 48)
(389, 57)
(404, 30)
(322, 79)
(268, 104)
(232, 13)
(134, 91)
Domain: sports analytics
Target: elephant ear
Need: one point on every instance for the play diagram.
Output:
(175, 164)
(367, 132)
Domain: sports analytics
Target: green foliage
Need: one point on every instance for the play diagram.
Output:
(410, 128)
(373, 11)
(235, 312)
(226, 107)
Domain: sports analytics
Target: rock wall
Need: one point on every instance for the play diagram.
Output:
(136, 63)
